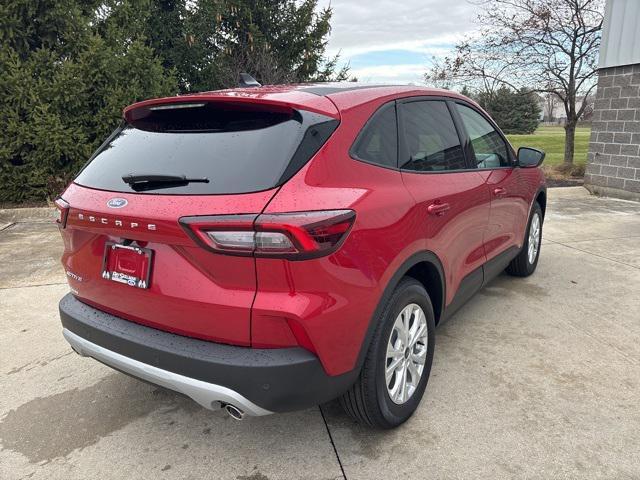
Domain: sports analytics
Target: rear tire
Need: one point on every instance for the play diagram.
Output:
(527, 260)
(398, 363)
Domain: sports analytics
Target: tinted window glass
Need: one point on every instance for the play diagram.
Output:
(378, 141)
(431, 139)
(490, 149)
(239, 149)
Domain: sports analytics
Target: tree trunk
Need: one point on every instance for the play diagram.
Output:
(569, 142)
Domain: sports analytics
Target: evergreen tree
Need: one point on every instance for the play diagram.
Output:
(466, 92)
(528, 111)
(211, 42)
(514, 112)
(187, 40)
(63, 88)
(285, 39)
(69, 67)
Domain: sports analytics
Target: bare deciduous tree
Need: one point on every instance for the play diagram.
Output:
(548, 46)
(550, 101)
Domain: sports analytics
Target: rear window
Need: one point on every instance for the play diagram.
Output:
(238, 148)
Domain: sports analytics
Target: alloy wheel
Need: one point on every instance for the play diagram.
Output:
(406, 353)
(534, 238)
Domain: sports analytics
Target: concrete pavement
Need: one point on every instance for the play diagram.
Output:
(533, 378)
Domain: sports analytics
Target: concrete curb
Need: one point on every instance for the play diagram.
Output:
(568, 192)
(613, 192)
(16, 215)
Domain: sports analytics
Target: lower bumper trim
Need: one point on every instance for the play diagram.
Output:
(253, 379)
(209, 395)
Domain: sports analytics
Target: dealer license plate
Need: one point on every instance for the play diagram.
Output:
(127, 264)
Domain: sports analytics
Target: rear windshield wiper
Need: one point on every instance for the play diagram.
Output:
(160, 178)
(151, 181)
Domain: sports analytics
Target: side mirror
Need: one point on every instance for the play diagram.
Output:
(530, 157)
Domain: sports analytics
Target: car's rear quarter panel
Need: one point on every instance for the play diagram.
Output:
(334, 297)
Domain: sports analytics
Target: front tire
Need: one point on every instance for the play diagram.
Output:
(527, 260)
(398, 363)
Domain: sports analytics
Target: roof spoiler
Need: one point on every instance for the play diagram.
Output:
(295, 100)
(247, 81)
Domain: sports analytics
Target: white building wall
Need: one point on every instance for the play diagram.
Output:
(621, 34)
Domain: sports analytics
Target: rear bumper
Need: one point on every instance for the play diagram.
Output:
(258, 381)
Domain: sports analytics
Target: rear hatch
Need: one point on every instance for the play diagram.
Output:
(127, 253)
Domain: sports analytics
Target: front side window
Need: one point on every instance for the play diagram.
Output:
(378, 141)
(430, 138)
(490, 149)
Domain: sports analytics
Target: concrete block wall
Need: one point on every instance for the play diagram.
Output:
(613, 161)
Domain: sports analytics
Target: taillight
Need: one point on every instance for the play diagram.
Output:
(62, 212)
(295, 236)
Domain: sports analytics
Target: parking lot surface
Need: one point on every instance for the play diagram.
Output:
(533, 378)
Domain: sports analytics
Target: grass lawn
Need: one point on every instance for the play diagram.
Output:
(551, 140)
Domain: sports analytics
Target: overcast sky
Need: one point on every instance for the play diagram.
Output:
(392, 41)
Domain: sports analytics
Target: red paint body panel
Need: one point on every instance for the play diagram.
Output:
(192, 292)
(456, 237)
(323, 304)
(512, 191)
(335, 297)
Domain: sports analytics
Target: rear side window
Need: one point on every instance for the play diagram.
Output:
(378, 140)
(490, 149)
(238, 148)
(431, 142)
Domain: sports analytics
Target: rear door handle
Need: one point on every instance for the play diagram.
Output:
(438, 209)
(499, 191)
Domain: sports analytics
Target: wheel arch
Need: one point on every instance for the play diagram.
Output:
(541, 199)
(426, 268)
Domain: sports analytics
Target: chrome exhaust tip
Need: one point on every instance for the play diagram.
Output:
(234, 412)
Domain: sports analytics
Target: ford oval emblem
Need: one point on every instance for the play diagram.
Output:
(117, 203)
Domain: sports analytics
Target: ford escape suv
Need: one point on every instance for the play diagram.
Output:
(269, 249)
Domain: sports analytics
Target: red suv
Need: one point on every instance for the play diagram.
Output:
(269, 249)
